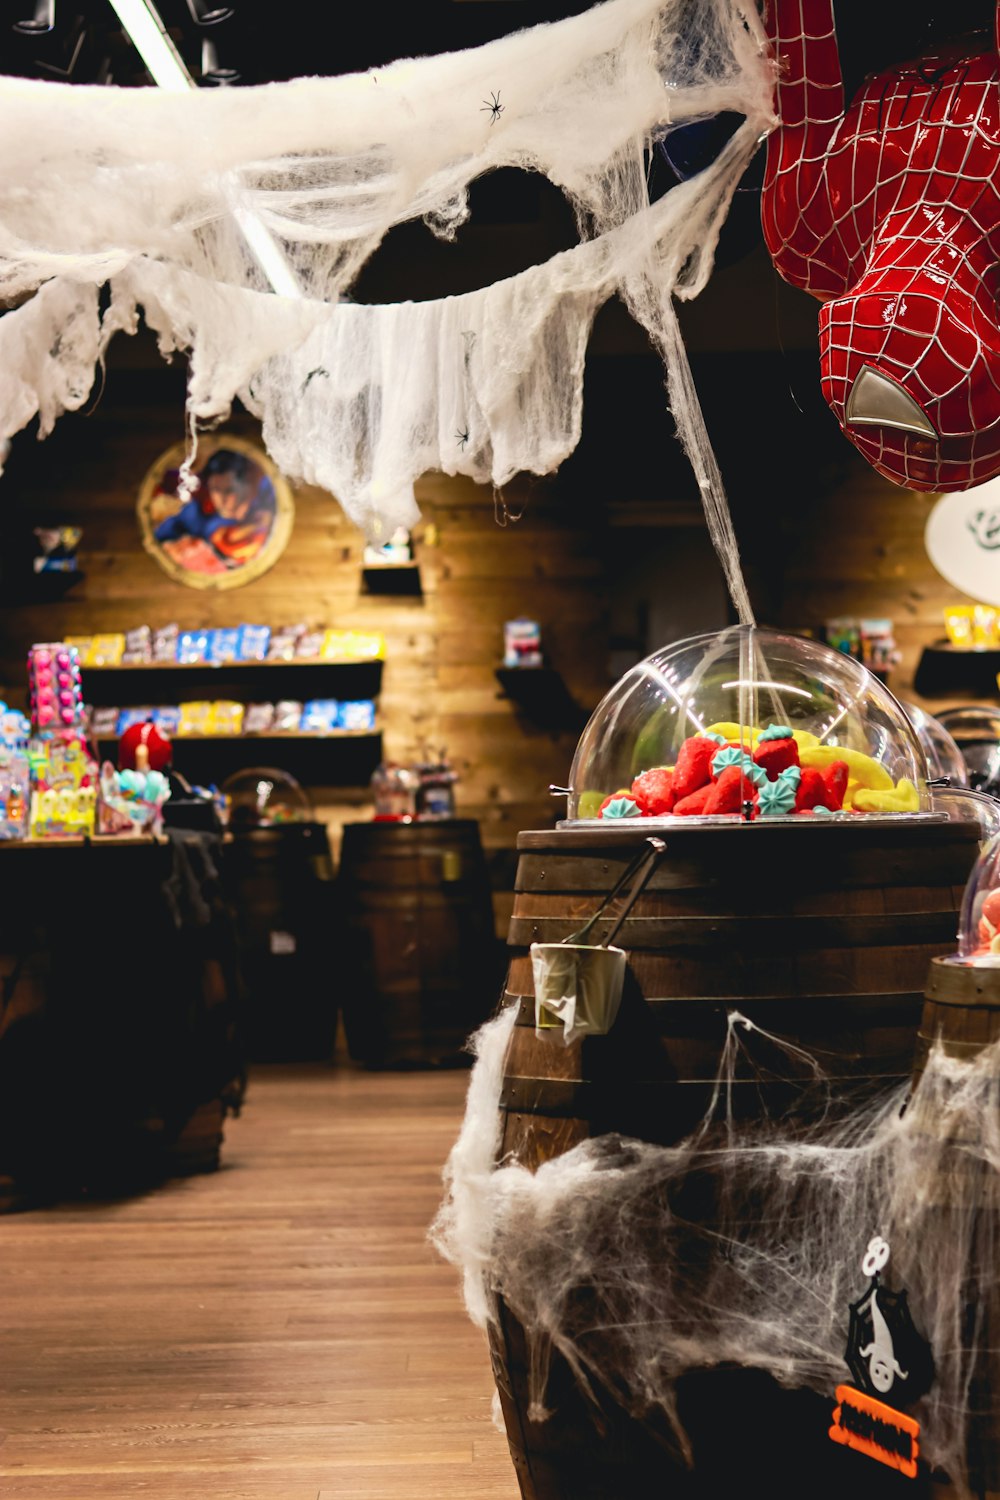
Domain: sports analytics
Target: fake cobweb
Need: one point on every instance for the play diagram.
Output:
(599, 1257)
(176, 203)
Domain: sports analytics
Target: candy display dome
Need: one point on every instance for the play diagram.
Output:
(975, 728)
(262, 796)
(748, 724)
(944, 759)
(979, 924)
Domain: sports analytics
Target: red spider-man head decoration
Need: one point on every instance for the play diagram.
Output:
(889, 213)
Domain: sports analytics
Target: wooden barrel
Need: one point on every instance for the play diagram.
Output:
(961, 1010)
(282, 883)
(820, 934)
(421, 963)
(961, 1014)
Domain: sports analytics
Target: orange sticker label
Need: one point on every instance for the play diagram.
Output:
(879, 1431)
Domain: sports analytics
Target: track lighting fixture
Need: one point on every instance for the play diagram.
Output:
(43, 20)
(204, 13)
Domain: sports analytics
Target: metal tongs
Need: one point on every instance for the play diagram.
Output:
(638, 871)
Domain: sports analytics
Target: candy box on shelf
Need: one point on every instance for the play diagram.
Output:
(309, 646)
(226, 717)
(359, 713)
(167, 718)
(353, 645)
(106, 650)
(522, 643)
(287, 714)
(129, 716)
(319, 716)
(103, 722)
(193, 646)
(284, 639)
(54, 686)
(64, 785)
(82, 645)
(224, 645)
(165, 643)
(138, 645)
(258, 718)
(195, 717)
(15, 774)
(254, 641)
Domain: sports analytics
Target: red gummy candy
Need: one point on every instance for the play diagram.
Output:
(694, 766)
(835, 784)
(727, 794)
(654, 791)
(689, 807)
(991, 909)
(811, 792)
(613, 797)
(776, 756)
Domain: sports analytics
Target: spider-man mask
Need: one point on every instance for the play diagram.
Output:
(889, 213)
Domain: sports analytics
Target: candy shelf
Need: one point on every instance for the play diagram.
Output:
(343, 758)
(392, 578)
(945, 670)
(541, 693)
(337, 757)
(248, 681)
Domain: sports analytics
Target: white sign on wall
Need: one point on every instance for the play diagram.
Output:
(963, 540)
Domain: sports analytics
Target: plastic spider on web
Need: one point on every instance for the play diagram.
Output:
(494, 106)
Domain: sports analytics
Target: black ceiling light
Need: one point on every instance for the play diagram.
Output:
(43, 20)
(204, 13)
(211, 72)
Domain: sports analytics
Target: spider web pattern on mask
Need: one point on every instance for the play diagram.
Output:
(889, 213)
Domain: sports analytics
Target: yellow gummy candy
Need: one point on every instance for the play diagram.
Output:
(732, 732)
(904, 797)
(869, 773)
(804, 739)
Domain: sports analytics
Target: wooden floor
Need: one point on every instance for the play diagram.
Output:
(278, 1330)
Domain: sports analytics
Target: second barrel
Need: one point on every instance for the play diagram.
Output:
(421, 963)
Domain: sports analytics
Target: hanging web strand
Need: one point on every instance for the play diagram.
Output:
(145, 192)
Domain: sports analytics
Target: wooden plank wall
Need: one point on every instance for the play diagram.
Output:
(439, 688)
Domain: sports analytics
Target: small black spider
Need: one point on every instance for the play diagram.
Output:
(463, 438)
(312, 374)
(495, 108)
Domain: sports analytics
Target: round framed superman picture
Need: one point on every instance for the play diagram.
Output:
(227, 524)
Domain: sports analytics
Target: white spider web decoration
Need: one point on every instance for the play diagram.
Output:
(599, 1259)
(142, 192)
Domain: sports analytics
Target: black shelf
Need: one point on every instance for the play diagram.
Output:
(392, 578)
(155, 683)
(541, 694)
(345, 758)
(944, 671)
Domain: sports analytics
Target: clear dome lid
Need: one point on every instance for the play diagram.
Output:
(747, 723)
(944, 758)
(979, 923)
(975, 728)
(262, 796)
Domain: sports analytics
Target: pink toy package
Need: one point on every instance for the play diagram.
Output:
(55, 688)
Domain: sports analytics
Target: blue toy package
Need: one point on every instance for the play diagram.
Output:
(320, 715)
(167, 718)
(254, 641)
(130, 716)
(223, 645)
(359, 713)
(193, 646)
